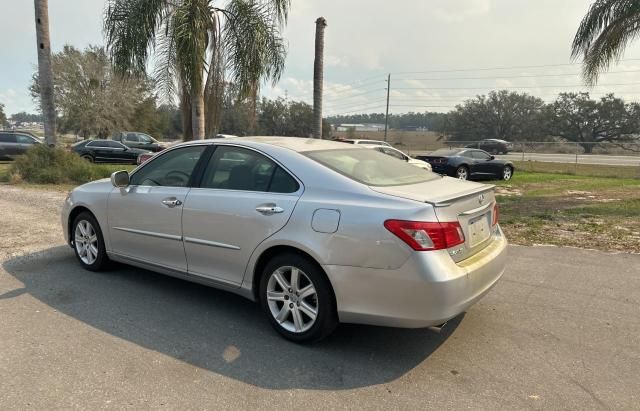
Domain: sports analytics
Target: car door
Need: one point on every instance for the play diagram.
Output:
(24, 143)
(8, 145)
(482, 163)
(244, 197)
(145, 218)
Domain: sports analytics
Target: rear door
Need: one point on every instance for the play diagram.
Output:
(244, 197)
(145, 218)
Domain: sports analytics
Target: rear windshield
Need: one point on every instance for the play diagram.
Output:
(371, 167)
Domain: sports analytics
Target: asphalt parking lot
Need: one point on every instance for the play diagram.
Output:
(560, 330)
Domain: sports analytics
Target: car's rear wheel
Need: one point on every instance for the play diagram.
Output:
(87, 157)
(462, 173)
(507, 173)
(88, 242)
(297, 298)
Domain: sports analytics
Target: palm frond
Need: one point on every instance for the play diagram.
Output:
(604, 33)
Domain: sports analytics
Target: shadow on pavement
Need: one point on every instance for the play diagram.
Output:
(216, 330)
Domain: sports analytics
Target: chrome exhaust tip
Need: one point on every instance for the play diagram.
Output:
(437, 328)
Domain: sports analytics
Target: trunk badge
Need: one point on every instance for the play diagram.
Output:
(481, 198)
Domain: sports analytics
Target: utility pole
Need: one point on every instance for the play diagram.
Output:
(318, 75)
(386, 117)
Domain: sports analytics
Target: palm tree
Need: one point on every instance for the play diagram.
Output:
(45, 75)
(604, 33)
(189, 37)
(318, 76)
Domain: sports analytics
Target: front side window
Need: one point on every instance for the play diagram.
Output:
(143, 138)
(105, 144)
(132, 137)
(480, 155)
(172, 169)
(371, 167)
(237, 168)
(22, 139)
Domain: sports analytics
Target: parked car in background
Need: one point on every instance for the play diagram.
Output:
(144, 157)
(225, 136)
(142, 141)
(15, 143)
(394, 152)
(316, 231)
(469, 164)
(361, 141)
(107, 151)
(492, 145)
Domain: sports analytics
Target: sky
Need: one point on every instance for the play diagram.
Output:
(438, 52)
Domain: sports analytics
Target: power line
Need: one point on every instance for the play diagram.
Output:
(358, 109)
(501, 68)
(515, 87)
(511, 77)
(353, 95)
(351, 104)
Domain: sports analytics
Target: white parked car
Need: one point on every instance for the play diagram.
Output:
(394, 152)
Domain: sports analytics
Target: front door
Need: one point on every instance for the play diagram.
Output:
(244, 198)
(145, 218)
(483, 165)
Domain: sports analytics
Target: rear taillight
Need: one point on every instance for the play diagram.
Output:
(425, 236)
(496, 215)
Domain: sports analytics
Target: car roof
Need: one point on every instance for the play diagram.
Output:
(297, 144)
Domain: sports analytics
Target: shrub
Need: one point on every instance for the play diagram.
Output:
(43, 165)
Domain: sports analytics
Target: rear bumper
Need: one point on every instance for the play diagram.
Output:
(427, 290)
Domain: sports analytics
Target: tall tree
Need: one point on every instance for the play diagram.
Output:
(318, 75)
(500, 114)
(576, 117)
(186, 35)
(44, 70)
(604, 33)
(3, 116)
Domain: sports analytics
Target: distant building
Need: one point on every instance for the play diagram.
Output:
(360, 127)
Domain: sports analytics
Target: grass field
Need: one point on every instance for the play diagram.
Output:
(568, 210)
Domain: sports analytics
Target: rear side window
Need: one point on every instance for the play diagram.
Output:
(7, 138)
(133, 137)
(237, 168)
(22, 139)
(371, 167)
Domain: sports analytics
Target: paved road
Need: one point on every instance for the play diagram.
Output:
(571, 158)
(560, 330)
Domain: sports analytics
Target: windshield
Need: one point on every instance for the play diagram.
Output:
(371, 167)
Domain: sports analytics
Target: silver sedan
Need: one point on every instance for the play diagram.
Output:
(316, 231)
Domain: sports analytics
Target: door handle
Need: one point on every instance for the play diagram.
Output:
(171, 202)
(269, 209)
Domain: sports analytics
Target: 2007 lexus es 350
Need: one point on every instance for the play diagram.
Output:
(316, 232)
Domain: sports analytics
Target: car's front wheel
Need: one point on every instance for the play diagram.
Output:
(297, 297)
(88, 158)
(88, 242)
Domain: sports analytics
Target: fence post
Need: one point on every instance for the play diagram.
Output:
(522, 144)
(577, 148)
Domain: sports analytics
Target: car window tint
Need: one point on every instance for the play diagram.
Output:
(104, 144)
(172, 169)
(22, 139)
(7, 138)
(282, 182)
(394, 153)
(479, 155)
(466, 154)
(143, 138)
(133, 137)
(236, 168)
(371, 167)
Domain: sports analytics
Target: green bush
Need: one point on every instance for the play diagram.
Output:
(43, 165)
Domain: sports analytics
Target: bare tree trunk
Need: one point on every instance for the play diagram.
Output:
(318, 70)
(214, 95)
(45, 75)
(197, 113)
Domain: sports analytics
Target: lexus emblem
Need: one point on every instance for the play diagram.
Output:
(481, 198)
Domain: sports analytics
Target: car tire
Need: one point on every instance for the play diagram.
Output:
(462, 173)
(88, 158)
(287, 307)
(507, 173)
(88, 243)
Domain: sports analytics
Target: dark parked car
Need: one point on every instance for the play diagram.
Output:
(492, 145)
(14, 143)
(469, 164)
(142, 141)
(107, 151)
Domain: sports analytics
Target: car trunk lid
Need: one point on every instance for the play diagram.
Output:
(468, 203)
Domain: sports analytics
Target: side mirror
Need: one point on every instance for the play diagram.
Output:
(492, 158)
(120, 179)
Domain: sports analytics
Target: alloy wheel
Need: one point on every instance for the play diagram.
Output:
(86, 242)
(506, 174)
(292, 299)
(462, 173)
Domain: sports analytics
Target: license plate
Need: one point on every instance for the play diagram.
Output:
(479, 230)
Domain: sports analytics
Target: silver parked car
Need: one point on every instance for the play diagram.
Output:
(316, 231)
